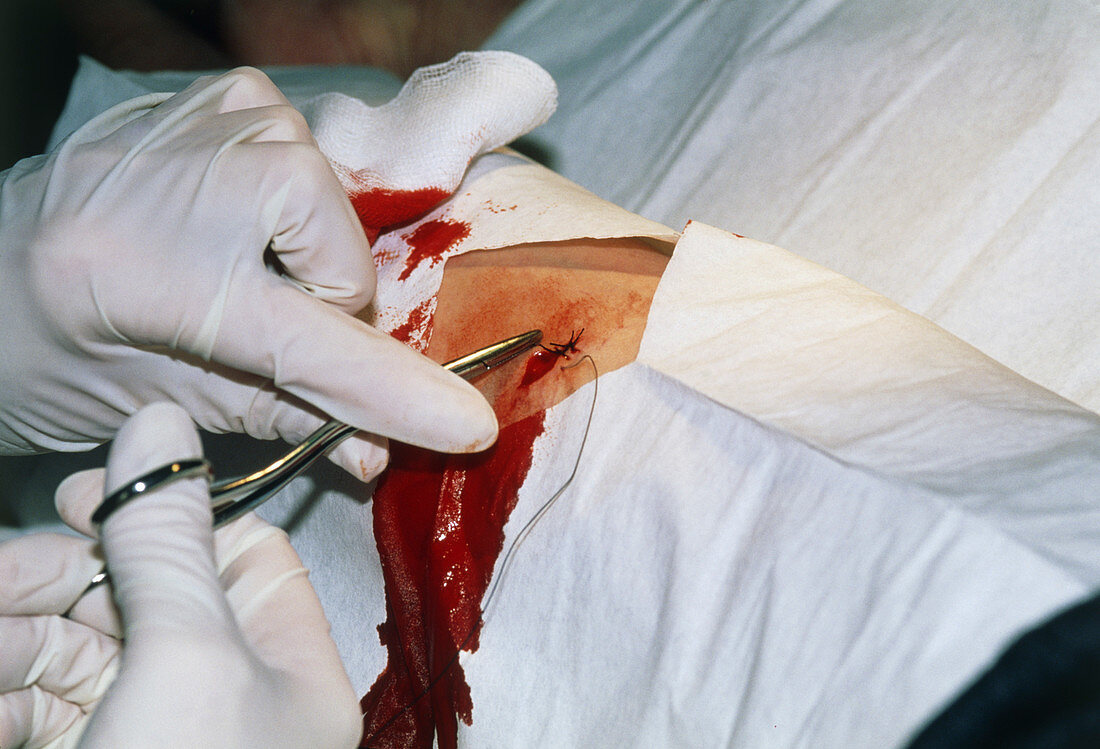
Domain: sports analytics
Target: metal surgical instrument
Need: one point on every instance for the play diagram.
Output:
(232, 498)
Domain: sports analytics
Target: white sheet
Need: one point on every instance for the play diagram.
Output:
(723, 572)
(941, 152)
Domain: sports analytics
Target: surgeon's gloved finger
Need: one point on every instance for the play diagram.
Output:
(64, 658)
(272, 414)
(282, 620)
(91, 605)
(97, 609)
(274, 123)
(224, 399)
(49, 573)
(246, 88)
(77, 497)
(140, 121)
(33, 717)
(269, 591)
(351, 371)
(45, 573)
(159, 546)
(118, 116)
(277, 414)
(49, 665)
(237, 89)
(309, 221)
(363, 455)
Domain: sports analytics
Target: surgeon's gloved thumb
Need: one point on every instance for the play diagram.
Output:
(159, 546)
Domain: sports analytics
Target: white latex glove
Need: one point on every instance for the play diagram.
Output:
(225, 641)
(132, 270)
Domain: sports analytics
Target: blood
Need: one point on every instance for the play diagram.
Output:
(439, 525)
(379, 208)
(416, 331)
(429, 241)
(538, 365)
(497, 208)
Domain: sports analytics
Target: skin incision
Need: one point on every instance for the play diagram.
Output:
(601, 286)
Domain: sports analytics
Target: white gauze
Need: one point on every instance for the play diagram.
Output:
(444, 116)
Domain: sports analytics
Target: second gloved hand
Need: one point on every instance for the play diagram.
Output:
(224, 641)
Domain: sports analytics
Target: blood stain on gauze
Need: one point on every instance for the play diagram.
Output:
(416, 331)
(439, 526)
(382, 256)
(430, 241)
(378, 207)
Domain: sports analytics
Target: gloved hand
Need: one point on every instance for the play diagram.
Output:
(225, 642)
(133, 269)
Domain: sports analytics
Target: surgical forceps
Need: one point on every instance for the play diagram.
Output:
(232, 498)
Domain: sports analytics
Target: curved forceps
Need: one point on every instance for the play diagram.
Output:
(232, 498)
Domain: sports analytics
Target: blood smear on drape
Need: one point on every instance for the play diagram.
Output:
(439, 528)
(429, 241)
(416, 331)
(439, 525)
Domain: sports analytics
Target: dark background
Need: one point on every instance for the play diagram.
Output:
(39, 58)
(40, 41)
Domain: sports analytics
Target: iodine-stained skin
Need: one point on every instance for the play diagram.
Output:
(601, 286)
(439, 519)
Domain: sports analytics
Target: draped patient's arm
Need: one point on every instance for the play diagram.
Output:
(602, 286)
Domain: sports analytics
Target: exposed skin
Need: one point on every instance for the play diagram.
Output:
(603, 286)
